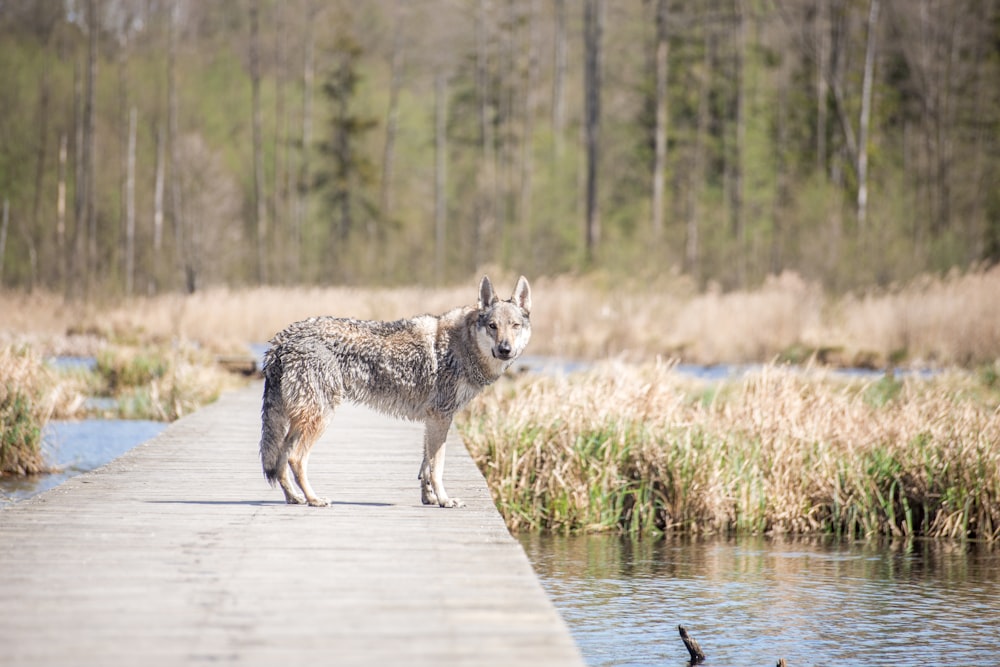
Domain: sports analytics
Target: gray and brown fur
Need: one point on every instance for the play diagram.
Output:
(425, 368)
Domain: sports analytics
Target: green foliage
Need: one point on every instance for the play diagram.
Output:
(123, 370)
(20, 434)
(884, 390)
(24, 390)
(768, 191)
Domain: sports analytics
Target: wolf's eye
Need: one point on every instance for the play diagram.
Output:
(516, 325)
(493, 326)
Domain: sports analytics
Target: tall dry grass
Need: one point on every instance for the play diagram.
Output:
(30, 393)
(642, 449)
(943, 321)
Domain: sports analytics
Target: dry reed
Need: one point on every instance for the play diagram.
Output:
(641, 449)
(940, 321)
(30, 393)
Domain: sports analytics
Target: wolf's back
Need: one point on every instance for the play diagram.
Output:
(274, 420)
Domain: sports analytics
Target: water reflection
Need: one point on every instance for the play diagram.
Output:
(750, 601)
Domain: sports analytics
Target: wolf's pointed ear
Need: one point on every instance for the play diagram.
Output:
(522, 294)
(487, 297)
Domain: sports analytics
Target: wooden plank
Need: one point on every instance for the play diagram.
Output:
(180, 553)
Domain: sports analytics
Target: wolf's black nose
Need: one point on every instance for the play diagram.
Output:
(503, 347)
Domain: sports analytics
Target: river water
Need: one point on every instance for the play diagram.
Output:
(813, 601)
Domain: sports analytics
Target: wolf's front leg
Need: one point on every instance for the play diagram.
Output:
(427, 495)
(432, 469)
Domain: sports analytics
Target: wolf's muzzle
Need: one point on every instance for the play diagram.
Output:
(503, 350)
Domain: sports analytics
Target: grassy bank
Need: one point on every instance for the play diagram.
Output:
(151, 382)
(640, 449)
(30, 394)
(941, 321)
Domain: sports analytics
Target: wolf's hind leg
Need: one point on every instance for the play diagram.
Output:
(298, 461)
(292, 497)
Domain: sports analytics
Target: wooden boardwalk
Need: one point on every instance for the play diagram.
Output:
(180, 553)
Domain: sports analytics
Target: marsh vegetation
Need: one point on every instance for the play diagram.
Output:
(125, 382)
(642, 449)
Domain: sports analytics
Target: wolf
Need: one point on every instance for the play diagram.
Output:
(425, 368)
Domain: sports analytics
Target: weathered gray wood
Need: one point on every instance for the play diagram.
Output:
(694, 650)
(179, 552)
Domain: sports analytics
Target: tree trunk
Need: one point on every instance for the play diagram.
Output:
(559, 77)
(276, 202)
(692, 248)
(90, 131)
(486, 181)
(391, 124)
(736, 209)
(61, 258)
(130, 204)
(660, 131)
(158, 183)
(593, 19)
(4, 223)
(173, 150)
(40, 159)
(527, 135)
(77, 249)
(440, 174)
(305, 176)
(866, 108)
(821, 36)
(260, 209)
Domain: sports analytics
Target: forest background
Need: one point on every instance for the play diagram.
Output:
(152, 146)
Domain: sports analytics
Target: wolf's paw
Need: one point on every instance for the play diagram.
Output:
(427, 497)
(295, 500)
(319, 502)
(452, 502)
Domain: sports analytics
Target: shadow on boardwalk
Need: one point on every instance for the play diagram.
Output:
(179, 552)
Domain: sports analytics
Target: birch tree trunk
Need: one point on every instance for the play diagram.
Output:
(305, 175)
(90, 130)
(440, 174)
(866, 109)
(124, 137)
(130, 205)
(392, 114)
(486, 180)
(173, 150)
(259, 209)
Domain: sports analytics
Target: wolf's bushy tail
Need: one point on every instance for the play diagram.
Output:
(274, 421)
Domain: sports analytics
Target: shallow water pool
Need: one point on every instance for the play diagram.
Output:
(74, 447)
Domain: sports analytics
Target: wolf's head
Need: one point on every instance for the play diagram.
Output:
(503, 327)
